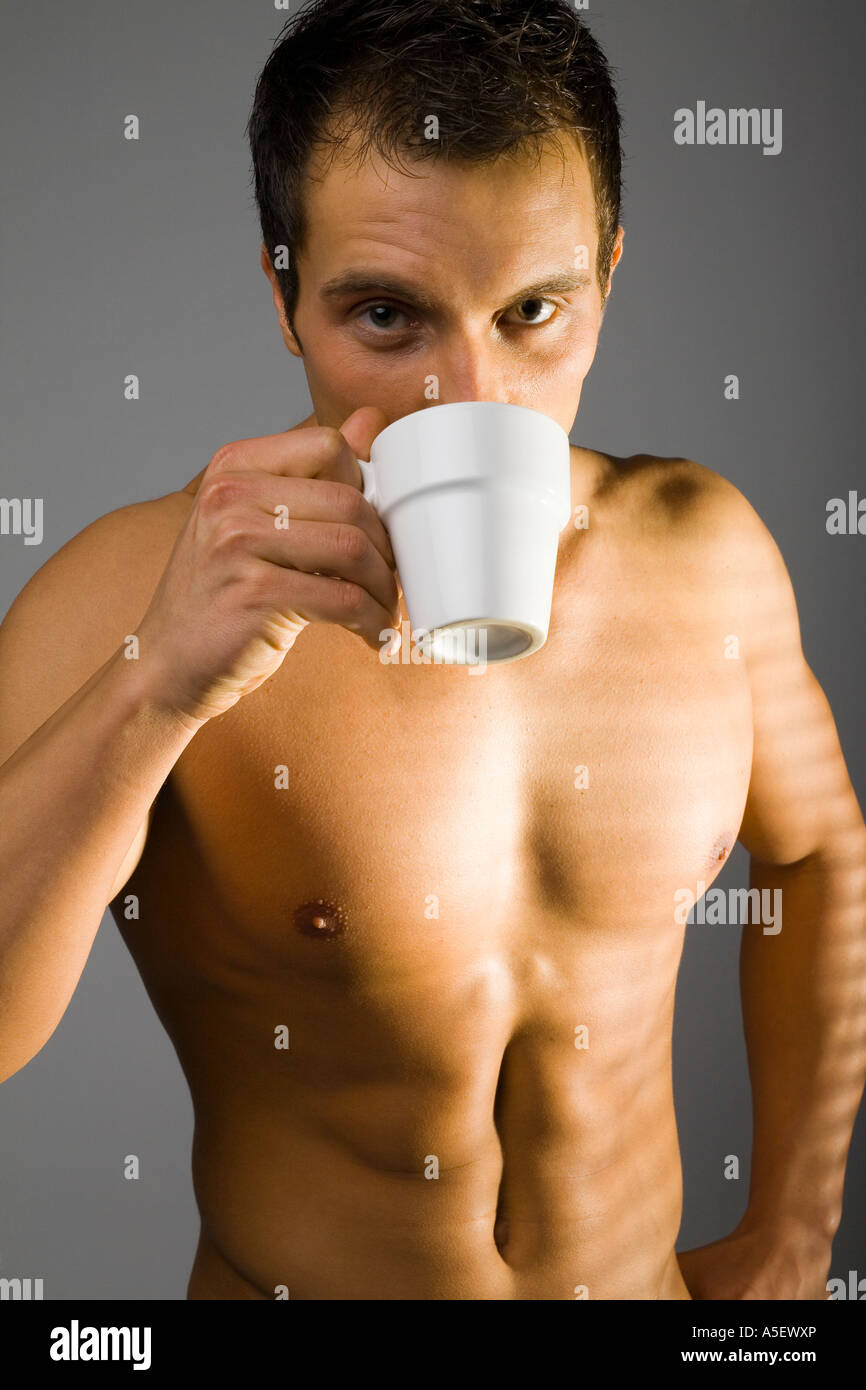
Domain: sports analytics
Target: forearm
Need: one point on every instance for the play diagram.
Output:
(805, 1025)
(71, 801)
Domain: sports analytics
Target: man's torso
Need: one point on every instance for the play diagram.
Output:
(412, 931)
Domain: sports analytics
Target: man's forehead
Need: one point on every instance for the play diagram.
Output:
(517, 210)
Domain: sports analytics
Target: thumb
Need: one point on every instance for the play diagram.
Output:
(361, 429)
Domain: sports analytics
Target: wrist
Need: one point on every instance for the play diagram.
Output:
(146, 694)
(788, 1230)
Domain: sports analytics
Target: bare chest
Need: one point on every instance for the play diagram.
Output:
(356, 820)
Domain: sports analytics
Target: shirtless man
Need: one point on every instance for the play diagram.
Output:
(470, 949)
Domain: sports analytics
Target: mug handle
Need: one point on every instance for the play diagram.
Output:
(369, 488)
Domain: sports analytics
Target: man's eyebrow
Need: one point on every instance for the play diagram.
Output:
(564, 282)
(374, 282)
(380, 282)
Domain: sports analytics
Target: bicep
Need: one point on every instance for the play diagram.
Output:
(69, 619)
(799, 782)
(799, 787)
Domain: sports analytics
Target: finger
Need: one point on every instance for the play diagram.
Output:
(321, 598)
(334, 550)
(309, 499)
(308, 451)
(361, 429)
(299, 453)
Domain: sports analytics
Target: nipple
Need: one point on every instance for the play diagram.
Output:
(500, 1234)
(320, 918)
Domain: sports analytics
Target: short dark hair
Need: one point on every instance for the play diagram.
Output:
(497, 74)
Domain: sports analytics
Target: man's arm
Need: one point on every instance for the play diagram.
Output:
(803, 988)
(84, 749)
(216, 594)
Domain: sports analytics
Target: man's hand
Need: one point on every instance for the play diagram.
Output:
(279, 536)
(750, 1264)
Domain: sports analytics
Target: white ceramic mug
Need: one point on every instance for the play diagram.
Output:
(474, 496)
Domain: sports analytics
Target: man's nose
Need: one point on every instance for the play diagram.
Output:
(467, 371)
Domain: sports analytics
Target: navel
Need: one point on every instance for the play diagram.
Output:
(320, 918)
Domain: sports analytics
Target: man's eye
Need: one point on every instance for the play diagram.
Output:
(381, 315)
(530, 310)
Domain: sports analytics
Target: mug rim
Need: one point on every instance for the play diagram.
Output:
(472, 405)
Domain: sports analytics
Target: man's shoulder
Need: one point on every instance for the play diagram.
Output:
(676, 491)
(119, 549)
(704, 533)
(79, 608)
(687, 503)
(95, 588)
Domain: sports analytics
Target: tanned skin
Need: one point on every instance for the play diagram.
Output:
(458, 877)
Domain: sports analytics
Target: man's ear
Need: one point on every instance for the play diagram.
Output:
(615, 258)
(289, 338)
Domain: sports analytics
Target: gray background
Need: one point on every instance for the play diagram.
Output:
(142, 257)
